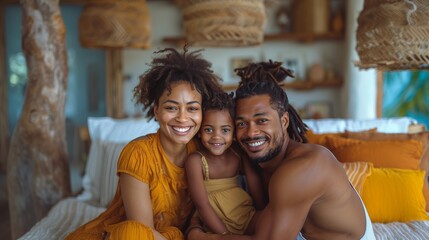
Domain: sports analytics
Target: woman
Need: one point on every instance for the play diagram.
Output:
(152, 201)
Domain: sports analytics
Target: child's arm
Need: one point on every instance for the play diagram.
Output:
(199, 194)
(254, 183)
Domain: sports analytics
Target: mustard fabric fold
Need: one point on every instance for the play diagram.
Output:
(232, 204)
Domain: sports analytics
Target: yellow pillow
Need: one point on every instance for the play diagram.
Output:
(422, 137)
(320, 138)
(404, 154)
(394, 195)
(357, 172)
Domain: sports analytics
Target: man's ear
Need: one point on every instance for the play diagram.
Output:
(285, 120)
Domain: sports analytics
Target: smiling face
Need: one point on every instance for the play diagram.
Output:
(260, 131)
(179, 113)
(217, 131)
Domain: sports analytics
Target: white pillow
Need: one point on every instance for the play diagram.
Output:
(109, 179)
(386, 125)
(108, 137)
(120, 130)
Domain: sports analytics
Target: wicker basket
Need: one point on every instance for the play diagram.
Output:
(224, 23)
(393, 34)
(115, 24)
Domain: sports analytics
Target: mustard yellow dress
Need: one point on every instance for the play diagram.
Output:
(144, 159)
(230, 201)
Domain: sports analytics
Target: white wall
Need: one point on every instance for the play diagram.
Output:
(360, 88)
(166, 21)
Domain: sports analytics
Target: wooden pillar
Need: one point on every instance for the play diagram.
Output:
(114, 84)
(379, 96)
(4, 128)
(37, 173)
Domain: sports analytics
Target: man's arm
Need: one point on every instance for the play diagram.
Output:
(292, 190)
(199, 194)
(285, 213)
(254, 184)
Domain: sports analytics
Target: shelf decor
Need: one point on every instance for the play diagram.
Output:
(393, 35)
(310, 16)
(283, 18)
(224, 23)
(318, 110)
(299, 85)
(115, 24)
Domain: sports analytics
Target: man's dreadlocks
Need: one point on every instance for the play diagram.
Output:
(265, 78)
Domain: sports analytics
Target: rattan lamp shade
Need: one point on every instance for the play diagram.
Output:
(115, 24)
(393, 34)
(224, 23)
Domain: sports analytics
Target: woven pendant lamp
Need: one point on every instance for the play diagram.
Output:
(115, 24)
(393, 34)
(224, 23)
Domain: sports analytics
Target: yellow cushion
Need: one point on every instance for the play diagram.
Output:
(357, 172)
(423, 137)
(320, 138)
(394, 195)
(404, 154)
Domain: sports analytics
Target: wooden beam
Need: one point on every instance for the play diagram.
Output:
(379, 95)
(114, 84)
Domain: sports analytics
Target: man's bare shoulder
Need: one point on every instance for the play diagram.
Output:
(308, 155)
(308, 166)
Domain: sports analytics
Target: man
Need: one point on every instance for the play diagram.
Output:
(310, 196)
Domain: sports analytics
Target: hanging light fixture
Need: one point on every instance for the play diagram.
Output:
(393, 34)
(115, 24)
(224, 23)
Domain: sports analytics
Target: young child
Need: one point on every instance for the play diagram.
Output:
(224, 207)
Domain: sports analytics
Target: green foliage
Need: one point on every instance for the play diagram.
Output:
(414, 97)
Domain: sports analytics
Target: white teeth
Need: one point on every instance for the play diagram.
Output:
(181, 129)
(256, 144)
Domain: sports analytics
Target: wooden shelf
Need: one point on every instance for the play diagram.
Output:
(299, 37)
(300, 85)
(304, 37)
(179, 41)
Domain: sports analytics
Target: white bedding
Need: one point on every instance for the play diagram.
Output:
(63, 218)
(70, 213)
(385, 125)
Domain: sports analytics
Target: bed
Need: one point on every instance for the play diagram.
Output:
(109, 136)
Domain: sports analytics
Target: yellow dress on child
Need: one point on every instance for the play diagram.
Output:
(230, 201)
(145, 159)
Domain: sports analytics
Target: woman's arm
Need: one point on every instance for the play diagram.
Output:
(199, 194)
(137, 202)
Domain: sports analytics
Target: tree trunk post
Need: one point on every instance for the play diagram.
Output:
(37, 166)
